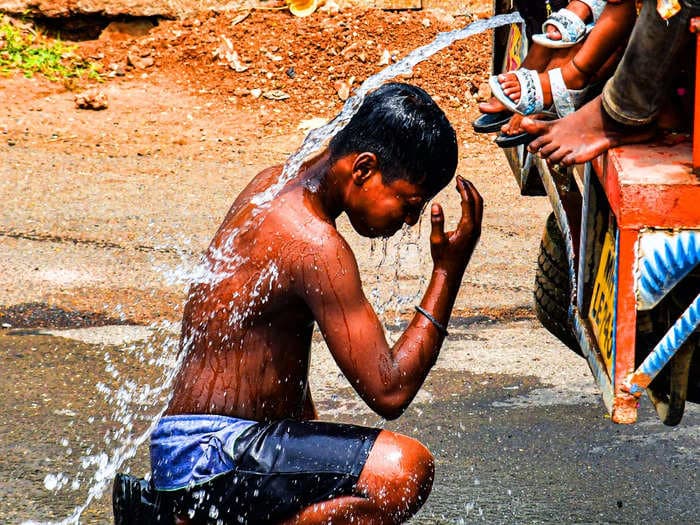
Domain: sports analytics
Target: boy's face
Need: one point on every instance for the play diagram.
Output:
(379, 209)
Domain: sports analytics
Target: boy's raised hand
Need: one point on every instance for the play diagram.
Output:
(451, 250)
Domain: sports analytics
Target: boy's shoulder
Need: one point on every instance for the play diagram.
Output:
(297, 224)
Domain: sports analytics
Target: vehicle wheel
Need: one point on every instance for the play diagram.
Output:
(670, 395)
(553, 287)
(679, 380)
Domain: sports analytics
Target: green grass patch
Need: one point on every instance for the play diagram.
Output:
(23, 48)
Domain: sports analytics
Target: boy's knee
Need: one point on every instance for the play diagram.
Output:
(402, 474)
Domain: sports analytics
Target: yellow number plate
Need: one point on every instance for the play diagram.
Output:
(602, 312)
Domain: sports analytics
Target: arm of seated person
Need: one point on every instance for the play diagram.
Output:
(387, 378)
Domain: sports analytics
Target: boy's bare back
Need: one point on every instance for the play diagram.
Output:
(249, 325)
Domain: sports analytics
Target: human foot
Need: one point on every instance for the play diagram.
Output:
(525, 91)
(570, 25)
(491, 106)
(513, 126)
(512, 133)
(577, 7)
(582, 135)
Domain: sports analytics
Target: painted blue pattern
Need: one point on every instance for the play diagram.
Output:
(667, 347)
(672, 257)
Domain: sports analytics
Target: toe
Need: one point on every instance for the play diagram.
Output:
(536, 127)
(492, 106)
(548, 150)
(553, 33)
(535, 145)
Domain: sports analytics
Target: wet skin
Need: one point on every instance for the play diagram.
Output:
(275, 271)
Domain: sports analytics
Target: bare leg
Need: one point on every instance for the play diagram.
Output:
(582, 135)
(394, 484)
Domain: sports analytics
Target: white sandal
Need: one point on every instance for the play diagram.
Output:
(565, 100)
(531, 101)
(571, 28)
(531, 97)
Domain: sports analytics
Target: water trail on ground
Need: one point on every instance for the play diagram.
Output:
(133, 402)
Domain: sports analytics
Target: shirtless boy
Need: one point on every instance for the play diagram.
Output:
(239, 441)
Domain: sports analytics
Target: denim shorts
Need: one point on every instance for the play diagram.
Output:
(281, 468)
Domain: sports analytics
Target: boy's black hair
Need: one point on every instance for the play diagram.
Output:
(407, 131)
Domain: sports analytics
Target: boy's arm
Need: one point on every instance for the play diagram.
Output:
(388, 378)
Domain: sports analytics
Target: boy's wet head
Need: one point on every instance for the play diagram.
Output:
(409, 134)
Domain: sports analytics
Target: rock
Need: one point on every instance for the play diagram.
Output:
(385, 58)
(94, 99)
(116, 70)
(343, 90)
(273, 57)
(226, 52)
(275, 94)
(442, 16)
(256, 92)
(349, 50)
(471, 88)
(329, 7)
(139, 62)
(312, 123)
(484, 92)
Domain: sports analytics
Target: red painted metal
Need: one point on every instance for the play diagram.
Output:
(649, 185)
(695, 28)
(624, 408)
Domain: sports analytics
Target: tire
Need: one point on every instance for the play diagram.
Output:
(670, 395)
(553, 286)
(679, 380)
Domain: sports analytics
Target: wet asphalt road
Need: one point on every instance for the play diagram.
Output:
(510, 447)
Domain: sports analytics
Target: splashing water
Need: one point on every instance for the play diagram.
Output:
(132, 402)
(318, 136)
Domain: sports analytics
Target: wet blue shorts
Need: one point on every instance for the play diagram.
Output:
(276, 469)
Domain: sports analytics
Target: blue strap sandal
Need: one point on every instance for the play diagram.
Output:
(565, 102)
(571, 28)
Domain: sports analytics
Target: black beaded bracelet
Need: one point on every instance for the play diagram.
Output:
(435, 322)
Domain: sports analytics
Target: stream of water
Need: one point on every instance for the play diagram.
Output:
(137, 407)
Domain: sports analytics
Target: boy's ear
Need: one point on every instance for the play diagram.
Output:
(364, 164)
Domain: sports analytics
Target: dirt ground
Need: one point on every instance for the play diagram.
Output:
(149, 177)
